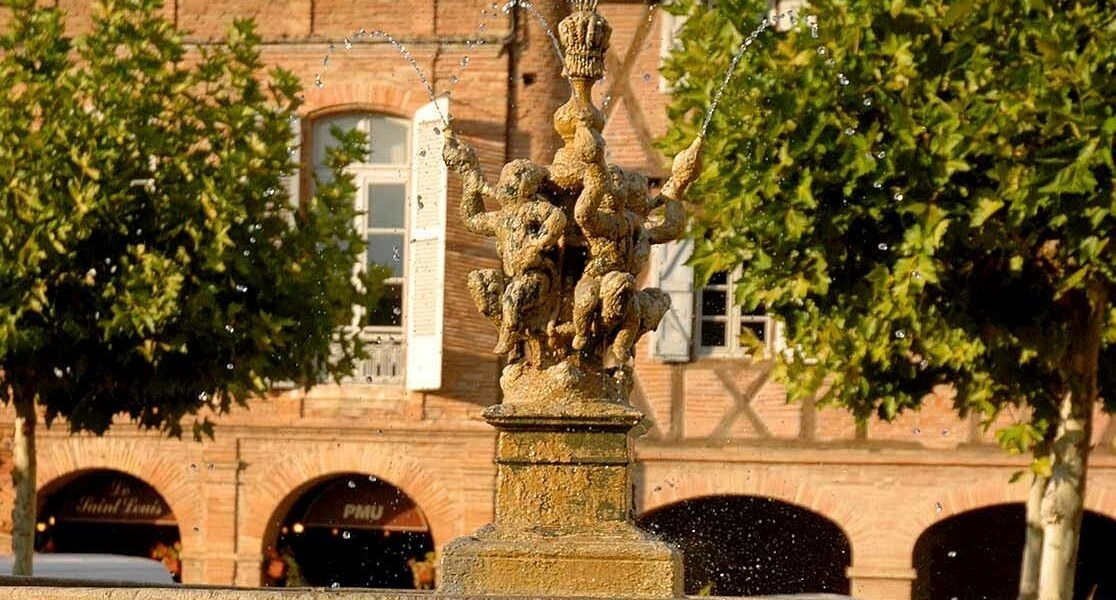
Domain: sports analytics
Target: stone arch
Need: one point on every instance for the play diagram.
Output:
(278, 485)
(676, 483)
(956, 500)
(393, 99)
(174, 476)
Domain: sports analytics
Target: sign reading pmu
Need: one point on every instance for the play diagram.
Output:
(370, 513)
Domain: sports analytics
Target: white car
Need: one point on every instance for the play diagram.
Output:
(94, 567)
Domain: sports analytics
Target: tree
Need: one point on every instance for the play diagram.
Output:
(923, 193)
(152, 262)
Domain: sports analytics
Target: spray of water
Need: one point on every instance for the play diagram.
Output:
(747, 43)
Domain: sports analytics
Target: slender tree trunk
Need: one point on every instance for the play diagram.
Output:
(23, 479)
(1064, 498)
(1032, 545)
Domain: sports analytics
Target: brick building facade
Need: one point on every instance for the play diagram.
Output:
(717, 426)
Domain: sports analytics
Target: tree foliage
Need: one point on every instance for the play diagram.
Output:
(152, 262)
(921, 190)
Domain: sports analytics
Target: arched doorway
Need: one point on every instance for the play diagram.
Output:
(746, 545)
(349, 530)
(108, 512)
(977, 554)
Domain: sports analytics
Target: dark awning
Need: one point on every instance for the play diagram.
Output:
(112, 498)
(364, 503)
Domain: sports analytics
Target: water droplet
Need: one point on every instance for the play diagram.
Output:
(251, 240)
(898, 196)
(464, 61)
(900, 334)
(334, 585)
(352, 484)
(882, 246)
(821, 50)
(881, 154)
(362, 32)
(229, 366)
(952, 554)
(246, 253)
(945, 433)
(318, 81)
(204, 396)
(241, 288)
(923, 365)
(230, 328)
(938, 507)
(437, 131)
(396, 311)
(877, 184)
(453, 79)
(916, 431)
(647, 77)
(867, 102)
(850, 131)
(348, 44)
(372, 478)
(842, 79)
(346, 535)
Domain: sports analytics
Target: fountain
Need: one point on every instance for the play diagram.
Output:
(572, 238)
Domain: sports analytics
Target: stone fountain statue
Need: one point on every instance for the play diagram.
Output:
(572, 237)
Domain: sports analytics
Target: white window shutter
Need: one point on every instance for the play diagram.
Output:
(671, 342)
(426, 250)
(291, 180)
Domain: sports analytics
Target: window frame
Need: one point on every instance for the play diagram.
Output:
(734, 322)
(367, 174)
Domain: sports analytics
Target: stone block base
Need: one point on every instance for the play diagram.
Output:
(577, 566)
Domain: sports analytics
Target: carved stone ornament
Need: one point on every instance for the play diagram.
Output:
(572, 237)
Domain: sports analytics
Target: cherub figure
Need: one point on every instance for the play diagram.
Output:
(611, 233)
(528, 230)
(645, 308)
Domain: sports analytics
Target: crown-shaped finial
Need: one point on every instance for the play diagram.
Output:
(585, 36)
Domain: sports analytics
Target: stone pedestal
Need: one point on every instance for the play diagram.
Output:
(564, 517)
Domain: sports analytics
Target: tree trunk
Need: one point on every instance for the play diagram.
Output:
(23, 479)
(1032, 545)
(1064, 498)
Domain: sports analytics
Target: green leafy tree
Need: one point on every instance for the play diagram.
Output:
(152, 263)
(923, 192)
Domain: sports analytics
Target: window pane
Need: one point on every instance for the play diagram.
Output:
(387, 249)
(386, 203)
(324, 139)
(713, 334)
(713, 302)
(389, 141)
(759, 328)
(718, 278)
(388, 311)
